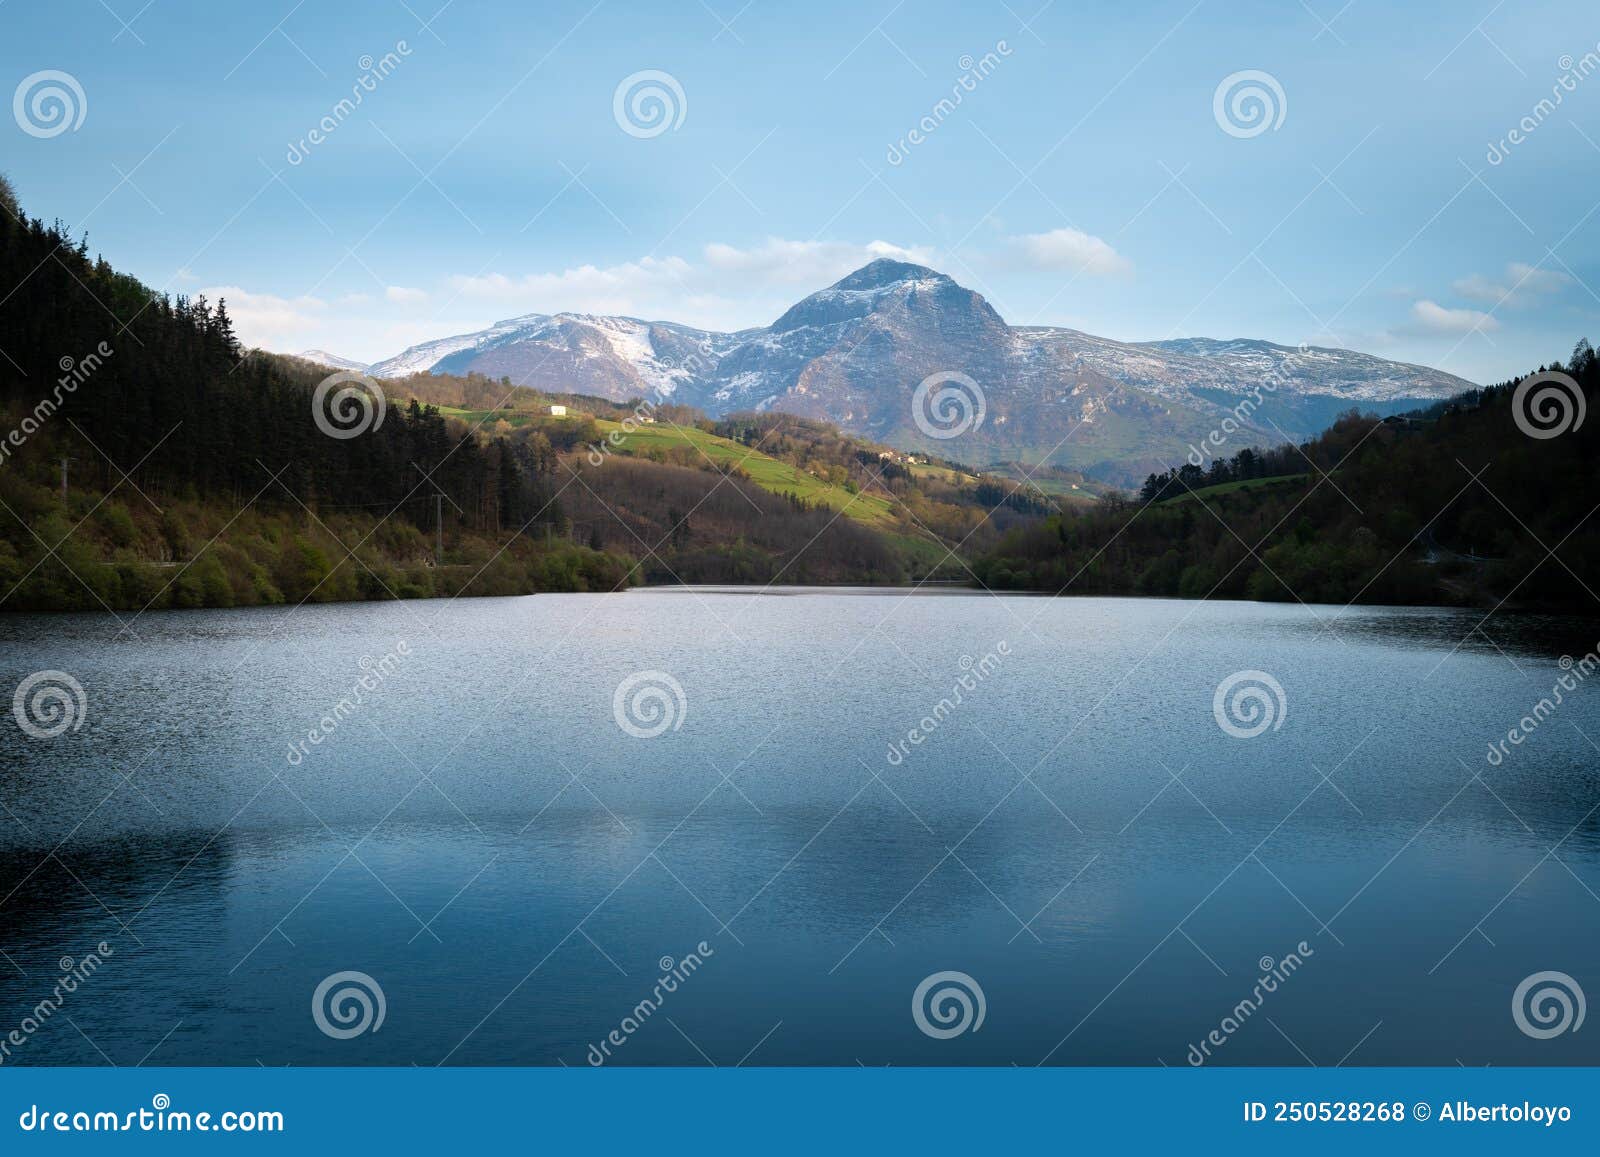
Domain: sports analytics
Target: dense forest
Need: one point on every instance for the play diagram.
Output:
(1452, 504)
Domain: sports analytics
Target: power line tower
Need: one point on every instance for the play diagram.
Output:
(439, 497)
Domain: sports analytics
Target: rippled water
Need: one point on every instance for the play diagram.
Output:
(1078, 835)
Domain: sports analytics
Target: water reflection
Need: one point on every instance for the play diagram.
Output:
(1080, 836)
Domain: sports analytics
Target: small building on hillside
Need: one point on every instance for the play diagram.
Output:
(558, 411)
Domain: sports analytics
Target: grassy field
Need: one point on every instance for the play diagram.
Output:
(1231, 487)
(942, 473)
(766, 472)
(871, 510)
(769, 473)
(514, 417)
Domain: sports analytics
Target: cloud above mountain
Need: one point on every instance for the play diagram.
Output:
(1432, 317)
(1521, 284)
(722, 287)
(725, 287)
(1069, 250)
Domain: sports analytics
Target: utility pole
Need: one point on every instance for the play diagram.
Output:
(438, 514)
(64, 461)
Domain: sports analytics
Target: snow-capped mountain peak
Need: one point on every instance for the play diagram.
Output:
(332, 361)
(854, 353)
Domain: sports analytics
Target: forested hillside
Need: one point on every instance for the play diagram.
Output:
(1456, 503)
(749, 497)
(147, 461)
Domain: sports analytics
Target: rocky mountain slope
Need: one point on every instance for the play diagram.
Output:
(856, 352)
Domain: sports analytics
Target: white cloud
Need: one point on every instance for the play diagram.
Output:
(1069, 249)
(1521, 283)
(810, 264)
(727, 288)
(1435, 318)
(722, 287)
(260, 318)
(356, 325)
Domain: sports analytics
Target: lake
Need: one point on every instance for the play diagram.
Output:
(517, 858)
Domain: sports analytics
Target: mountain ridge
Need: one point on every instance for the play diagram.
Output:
(854, 353)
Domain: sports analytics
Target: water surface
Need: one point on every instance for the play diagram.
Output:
(1078, 834)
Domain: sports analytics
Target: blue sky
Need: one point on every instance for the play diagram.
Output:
(1085, 180)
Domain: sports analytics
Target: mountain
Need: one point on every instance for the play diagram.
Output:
(855, 353)
(332, 361)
